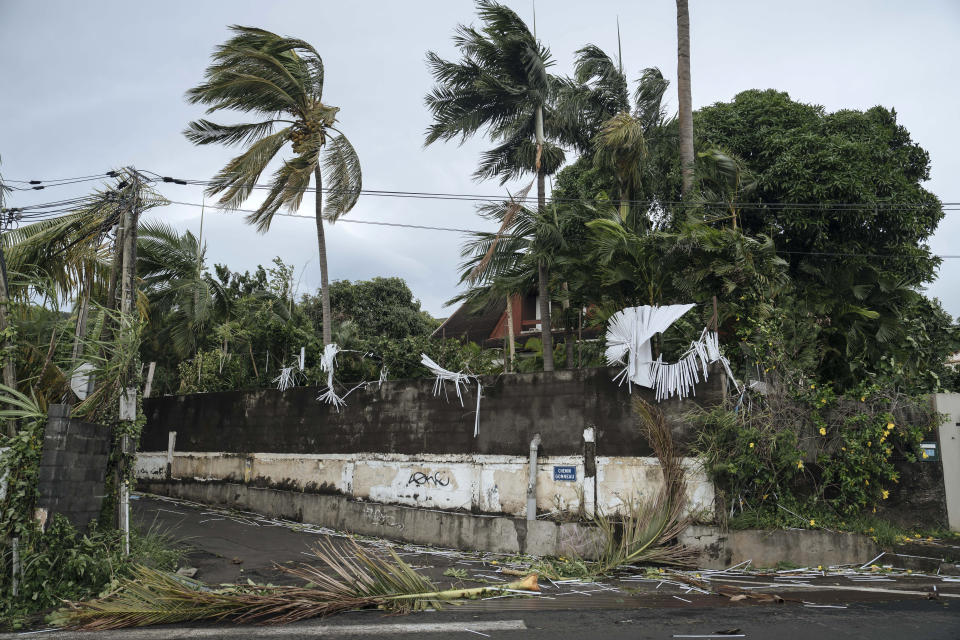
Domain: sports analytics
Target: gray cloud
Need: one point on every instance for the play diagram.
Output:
(94, 85)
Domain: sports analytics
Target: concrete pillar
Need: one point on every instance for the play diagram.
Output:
(949, 432)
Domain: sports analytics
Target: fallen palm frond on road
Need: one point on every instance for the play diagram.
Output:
(351, 580)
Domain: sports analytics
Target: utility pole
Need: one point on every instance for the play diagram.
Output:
(9, 347)
(128, 300)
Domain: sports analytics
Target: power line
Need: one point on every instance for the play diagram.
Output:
(478, 232)
(472, 197)
(426, 195)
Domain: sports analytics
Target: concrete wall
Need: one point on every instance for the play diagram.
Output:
(402, 444)
(464, 482)
(715, 549)
(72, 467)
(404, 416)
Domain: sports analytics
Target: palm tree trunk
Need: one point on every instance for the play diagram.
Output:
(568, 330)
(511, 353)
(685, 115)
(543, 276)
(322, 248)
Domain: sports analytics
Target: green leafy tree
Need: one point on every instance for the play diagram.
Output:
(280, 79)
(856, 268)
(376, 307)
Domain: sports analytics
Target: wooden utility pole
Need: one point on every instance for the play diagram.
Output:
(9, 347)
(128, 303)
(685, 115)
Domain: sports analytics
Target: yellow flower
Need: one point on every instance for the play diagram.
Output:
(909, 571)
(866, 481)
(843, 448)
(813, 386)
(925, 455)
(885, 493)
(916, 535)
(493, 562)
(765, 496)
(874, 509)
(799, 464)
(869, 443)
(823, 401)
(823, 431)
(819, 567)
(889, 426)
(751, 445)
(813, 522)
(863, 399)
(870, 530)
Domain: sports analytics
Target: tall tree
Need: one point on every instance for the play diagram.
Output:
(685, 99)
(281, 80)
(501, 84)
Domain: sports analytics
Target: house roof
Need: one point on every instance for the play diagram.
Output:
(472, 325)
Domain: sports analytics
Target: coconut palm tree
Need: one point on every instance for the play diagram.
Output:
(501, 84)
(281, 80)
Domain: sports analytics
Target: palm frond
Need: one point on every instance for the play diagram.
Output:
(341, 168)
(351, 579)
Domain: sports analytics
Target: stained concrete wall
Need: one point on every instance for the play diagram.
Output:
(405, 417)
(400, 443)
(463, 482)
(716, 549)
(73, 466)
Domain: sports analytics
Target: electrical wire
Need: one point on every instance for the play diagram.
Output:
(478, 232)
(472, 197)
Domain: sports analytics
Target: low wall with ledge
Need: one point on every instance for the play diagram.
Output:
(454, 482)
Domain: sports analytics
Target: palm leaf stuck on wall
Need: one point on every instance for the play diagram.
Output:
(351, 579)
(649, 527)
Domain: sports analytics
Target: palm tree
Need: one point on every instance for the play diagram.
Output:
(501, 84)
(281, 80)
(684, 97)
(183, 299)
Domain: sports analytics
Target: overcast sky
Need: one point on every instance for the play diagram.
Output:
(89, 86)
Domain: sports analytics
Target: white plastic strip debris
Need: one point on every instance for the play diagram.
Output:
(628, 342)
(327, 363)
(458, 378)
(287, 378)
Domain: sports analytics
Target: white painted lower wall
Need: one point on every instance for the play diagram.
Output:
(478, 483)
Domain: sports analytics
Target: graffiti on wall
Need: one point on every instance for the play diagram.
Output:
(437, 479)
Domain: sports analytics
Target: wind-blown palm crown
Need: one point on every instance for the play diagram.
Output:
(499, 84)
(281, 80)
(171, 267)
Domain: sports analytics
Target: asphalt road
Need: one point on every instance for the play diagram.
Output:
(229, 546)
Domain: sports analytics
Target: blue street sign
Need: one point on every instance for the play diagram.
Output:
(564, 474)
